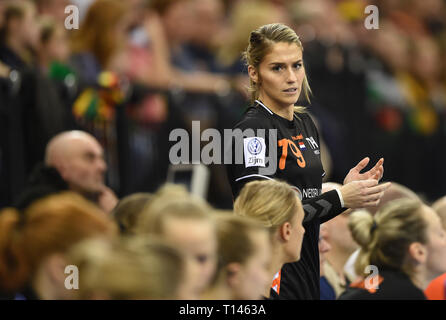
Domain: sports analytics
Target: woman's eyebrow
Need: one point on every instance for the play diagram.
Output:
(283, 63)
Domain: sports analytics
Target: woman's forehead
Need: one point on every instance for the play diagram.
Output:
(283, 52)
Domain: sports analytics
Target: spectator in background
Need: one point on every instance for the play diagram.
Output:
(326, 291)
(152, 116)
(245, 16)
(33, 244)
(37, 103)
(437, 288)
(101, 39)
(53, 44)
(130, 268)
(18, 34)
(2, 6)
(177, 19)
(74, 161)
(54, 9)
(338, 236)
(406, 242)
(3, 69)
(186, 222)
(276, 206)
(243, 260)
(52, 59)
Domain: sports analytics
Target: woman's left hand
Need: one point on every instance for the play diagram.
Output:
(375, 173)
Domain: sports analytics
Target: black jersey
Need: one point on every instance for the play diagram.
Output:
(391, 285)
(298, 162)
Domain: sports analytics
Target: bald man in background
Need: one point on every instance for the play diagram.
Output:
(74, 160)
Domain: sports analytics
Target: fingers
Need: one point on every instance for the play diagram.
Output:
(369, 183)
(373, 197)
(371, 203)
(362, 164)
(378, 165)
(376, 171)
(377, 189)
(375, 194)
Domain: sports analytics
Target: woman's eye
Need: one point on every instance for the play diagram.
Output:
(277, 68)
(297, 65)
(201, 258)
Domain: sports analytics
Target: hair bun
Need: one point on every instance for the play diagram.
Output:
(361, 224)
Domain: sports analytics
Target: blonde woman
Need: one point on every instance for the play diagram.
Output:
(244, 252)
(276, 206)
(406, 242)
(186, 222)
(291, 140)
(136, 267)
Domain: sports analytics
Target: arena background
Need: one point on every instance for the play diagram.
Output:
(161, 64)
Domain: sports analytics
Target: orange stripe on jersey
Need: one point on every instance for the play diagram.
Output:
(436, 290)
(276, 282)
(361, 284)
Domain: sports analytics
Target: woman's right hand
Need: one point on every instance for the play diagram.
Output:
(362, 194)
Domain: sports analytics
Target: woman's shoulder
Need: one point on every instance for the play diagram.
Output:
(391, 285)
(253, 118)
(304, 116)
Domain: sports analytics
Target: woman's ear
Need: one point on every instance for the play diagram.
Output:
(418, 252)
(285, 231)
(233, 274)
(253, 74)
(56, 268)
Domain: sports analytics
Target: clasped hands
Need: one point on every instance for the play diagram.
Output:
(361, 190)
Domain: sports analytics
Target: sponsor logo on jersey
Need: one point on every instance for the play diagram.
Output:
(312, 143)
(254, 146)
(254, 151)
(310, 193)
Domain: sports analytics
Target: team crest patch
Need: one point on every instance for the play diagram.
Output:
(254, 151)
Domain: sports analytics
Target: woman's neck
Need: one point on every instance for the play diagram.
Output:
(277, 261)
(220, 291)
(337, 259)
(421, 279)
(286, 112)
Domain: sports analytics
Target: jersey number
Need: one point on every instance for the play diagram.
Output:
(285, 143)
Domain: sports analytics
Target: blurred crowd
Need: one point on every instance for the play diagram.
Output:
(173, 245)
(134, 71)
